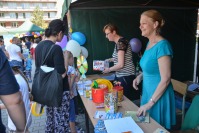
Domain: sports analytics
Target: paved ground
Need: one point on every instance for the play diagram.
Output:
(38, 123)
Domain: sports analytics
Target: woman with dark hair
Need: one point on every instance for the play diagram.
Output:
(57, 117)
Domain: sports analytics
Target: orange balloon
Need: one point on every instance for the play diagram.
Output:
(10, 40)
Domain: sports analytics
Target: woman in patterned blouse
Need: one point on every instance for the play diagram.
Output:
(123, 62)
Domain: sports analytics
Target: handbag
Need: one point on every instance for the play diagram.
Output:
(47, 87)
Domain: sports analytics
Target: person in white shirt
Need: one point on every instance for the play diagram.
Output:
(15, 55)
(24, 89)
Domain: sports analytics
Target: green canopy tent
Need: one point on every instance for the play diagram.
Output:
(90, 16)
(3, 31)
(27, 26)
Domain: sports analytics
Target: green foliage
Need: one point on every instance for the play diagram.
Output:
(37, 18)
(95, 84)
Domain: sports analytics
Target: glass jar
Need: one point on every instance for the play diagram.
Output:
(110, 102)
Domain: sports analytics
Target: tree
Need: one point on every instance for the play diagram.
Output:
(37, 18)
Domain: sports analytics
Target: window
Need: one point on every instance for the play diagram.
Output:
(52, 14)
(14, 24)
(16, 14)
(12, 5)
(44, 5)
(3, 24)
(1, 4)
(51, 5)
(1, 15)
(48, 15)
(12, 15)
(24, 15)
(28, 15)
(19, 5)
(26, 5)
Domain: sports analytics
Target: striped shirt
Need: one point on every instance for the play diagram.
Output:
(129, 68)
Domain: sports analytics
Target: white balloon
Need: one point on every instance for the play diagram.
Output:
(74, 47)
(84, 51)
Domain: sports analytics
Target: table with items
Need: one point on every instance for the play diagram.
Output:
(111, 118)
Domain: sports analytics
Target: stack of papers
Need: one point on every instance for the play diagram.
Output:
(126, 124)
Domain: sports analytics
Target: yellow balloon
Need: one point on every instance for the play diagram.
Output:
(36, 109)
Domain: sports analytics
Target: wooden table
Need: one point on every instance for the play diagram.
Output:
(127, 105)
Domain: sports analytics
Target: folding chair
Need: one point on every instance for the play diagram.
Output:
(180, 88)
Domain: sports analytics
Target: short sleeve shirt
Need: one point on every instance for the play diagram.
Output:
(129, 68)
(55, 59)
(13, 50)
(8, 83)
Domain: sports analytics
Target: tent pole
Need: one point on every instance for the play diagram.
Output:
(196, 59)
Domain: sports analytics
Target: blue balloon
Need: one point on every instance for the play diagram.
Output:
(79, 37)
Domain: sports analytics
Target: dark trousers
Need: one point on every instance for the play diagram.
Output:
(129, 91)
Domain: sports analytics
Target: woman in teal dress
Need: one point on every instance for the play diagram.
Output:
(158, 95)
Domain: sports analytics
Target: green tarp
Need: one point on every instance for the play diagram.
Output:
(27, 26)
(179, 29)
(3, 30)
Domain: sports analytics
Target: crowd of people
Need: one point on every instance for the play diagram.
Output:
(157, 92)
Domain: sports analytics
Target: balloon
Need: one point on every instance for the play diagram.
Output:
(33, 33)
(74, 47)
(41, 32)
(136, 45)
(16, 35)
(63, 42)
(35, 36)
(38, 34)
(28, 33)
(84, 51)
(79, 37)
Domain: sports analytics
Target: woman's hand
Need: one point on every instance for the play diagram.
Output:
(106, 70)
(143, 109)
(71, 94)
(137, 81)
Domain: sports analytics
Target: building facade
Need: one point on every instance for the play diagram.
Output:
(14, 12)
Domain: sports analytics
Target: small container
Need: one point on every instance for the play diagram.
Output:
(84, 92)
(110, 102)
(120, 92)
(88, 88)
(87, 93)
(98, 94)
(90, 95)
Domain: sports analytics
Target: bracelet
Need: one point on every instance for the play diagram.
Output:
(152, 100)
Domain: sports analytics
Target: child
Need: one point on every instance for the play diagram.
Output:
(28, 68)
(25, 89)
(73, 77)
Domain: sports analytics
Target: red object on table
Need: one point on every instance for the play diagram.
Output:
(98, 94)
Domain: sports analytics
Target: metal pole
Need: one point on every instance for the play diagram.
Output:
(195, 61)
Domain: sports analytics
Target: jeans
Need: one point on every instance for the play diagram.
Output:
(17, 63)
